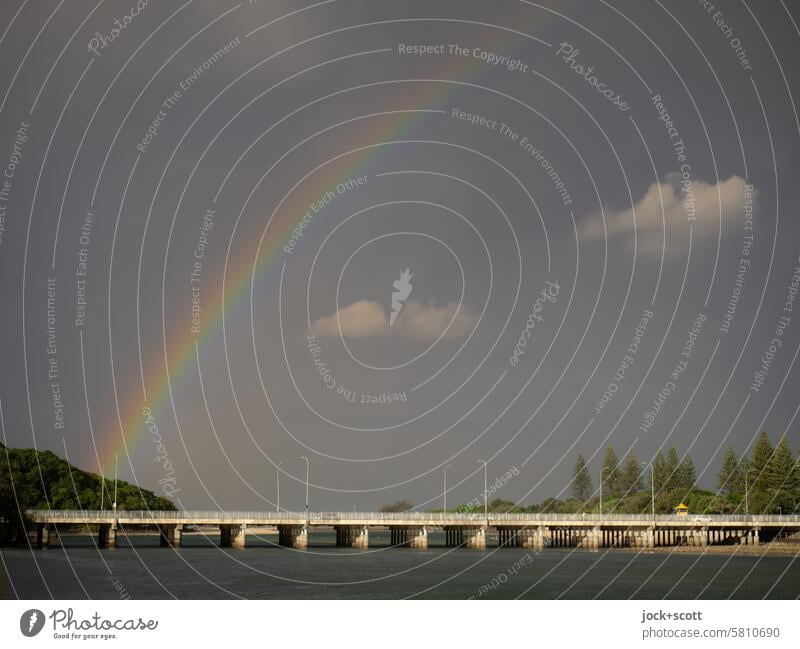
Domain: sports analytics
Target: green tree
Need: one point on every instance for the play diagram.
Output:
(630, 479)
(609, 474)
(581, 480)
(660, 473)
(730, 480)
(759, 463)
(673, 462)
(397, 506)
(685, 475)
(781, 471)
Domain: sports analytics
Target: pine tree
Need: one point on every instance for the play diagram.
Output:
(780, 473)
(581, 480)
(660, 474)
(730, 479)
(673, 462)
(609, 475)
(759, 464)
(686, 474)
(630, 480)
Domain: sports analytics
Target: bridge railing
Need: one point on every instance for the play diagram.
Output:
(397, 517)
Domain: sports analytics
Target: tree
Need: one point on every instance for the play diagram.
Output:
(781, 473)
(630, 479)
(609, 474)
(758, 469)
(660, 473)
(673, 462)
(581, 480)
(730, 480)
(397, 506)
(685, 475)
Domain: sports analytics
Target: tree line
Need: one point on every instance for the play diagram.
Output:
(766, 482)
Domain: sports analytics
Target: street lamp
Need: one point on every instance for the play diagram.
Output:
(652, 492)
(307, 469)
(485, 491)
(747, 493)
(601, 493)
(444, 491)
(278, 487)
(116, 473)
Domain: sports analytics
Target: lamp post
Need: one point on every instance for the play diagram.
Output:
(278, 487)
(116, 473)
(652, 491)
(307, 470)
(485, 491)
(444, 491)
(747, 493)
(601, 493)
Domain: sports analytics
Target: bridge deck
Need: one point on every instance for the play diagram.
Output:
(406, 519)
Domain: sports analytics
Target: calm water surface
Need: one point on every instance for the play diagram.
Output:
(142, 570)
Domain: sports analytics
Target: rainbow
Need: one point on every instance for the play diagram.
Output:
(130, 427)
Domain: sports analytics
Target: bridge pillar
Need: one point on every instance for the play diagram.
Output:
(474, 537)
(530, 538)
(239, 536)
(166, 535)
(352, 536)
(177, 536)
(106, 536)
(293, 536)
(43, 535)
(453, 536)
(418, 537)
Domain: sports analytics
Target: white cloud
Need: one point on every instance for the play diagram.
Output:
(362, 318)
(729, 194)
(417, 321)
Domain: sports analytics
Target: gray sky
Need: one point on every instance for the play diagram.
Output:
(623, 157)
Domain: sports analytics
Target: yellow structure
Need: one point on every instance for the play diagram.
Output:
(681, 510)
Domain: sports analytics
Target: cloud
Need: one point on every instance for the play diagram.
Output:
(707, 199)
(417, 321)
(362, 318)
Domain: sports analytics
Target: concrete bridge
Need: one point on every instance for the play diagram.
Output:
(411, 529)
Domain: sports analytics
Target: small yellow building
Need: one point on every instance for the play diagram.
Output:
(681, 510)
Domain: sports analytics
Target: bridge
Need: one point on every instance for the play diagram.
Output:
(411, 529)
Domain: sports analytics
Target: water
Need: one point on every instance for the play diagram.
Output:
(139, 569)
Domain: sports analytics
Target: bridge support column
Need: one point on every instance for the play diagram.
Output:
(43, 535)
(650, 538)
(398, 536)
(239, 536)
(352, 536)
(417, 537)
(293, 536)
(474, 537)
(177, 536)
(166, 535)
(453, 536)
(530, 538)
(106, 536)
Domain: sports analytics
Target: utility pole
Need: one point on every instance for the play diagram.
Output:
(307, 471)
(485, 492)
(116, 473)
(278, 486)
(444, 491)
